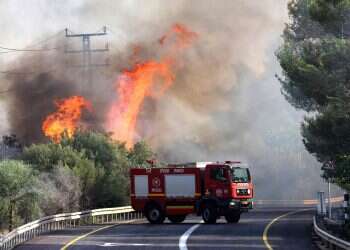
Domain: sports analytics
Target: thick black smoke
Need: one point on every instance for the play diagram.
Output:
(31, 100)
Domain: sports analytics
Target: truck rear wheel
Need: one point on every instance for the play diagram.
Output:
(176, 218)
(233, 217)
(154, 214)
(209, 214)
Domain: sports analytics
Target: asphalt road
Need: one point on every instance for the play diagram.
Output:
(293, 231)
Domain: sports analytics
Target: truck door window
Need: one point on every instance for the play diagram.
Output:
(240, 175)
(218, 174)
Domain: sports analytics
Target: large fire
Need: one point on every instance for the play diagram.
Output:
(147, 79)
(66, 118)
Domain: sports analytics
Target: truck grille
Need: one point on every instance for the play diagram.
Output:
(242, 192)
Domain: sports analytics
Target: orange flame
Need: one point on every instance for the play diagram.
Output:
(183, 36)
(66, 118)
(148, 79)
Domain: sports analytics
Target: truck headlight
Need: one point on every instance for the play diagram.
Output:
(248, 191)
(232, 203)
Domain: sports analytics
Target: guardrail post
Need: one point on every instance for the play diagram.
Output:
(321, 208)
(346, 204)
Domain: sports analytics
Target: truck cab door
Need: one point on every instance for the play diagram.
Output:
(217, 181)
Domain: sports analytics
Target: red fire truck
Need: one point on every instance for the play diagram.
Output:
(210, 189)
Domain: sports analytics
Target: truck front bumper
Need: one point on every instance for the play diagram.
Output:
(234, 204)
(243, 205)
(246, 204)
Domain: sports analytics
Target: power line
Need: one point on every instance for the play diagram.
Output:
(5, 91)
(13, 72)
(28, 50)
(8, 72)
(25, 49)
(45, 40)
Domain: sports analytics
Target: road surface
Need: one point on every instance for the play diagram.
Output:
(262, 228)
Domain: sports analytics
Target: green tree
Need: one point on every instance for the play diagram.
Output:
(101, 163)
(316, 77)
(140, 153)
(17, 187)
(112, 164)
(59, 191)
(43, 157)
(47, 157)
(331, 14)
(87, 174)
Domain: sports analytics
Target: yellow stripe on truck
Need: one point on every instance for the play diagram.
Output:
(156, 195)
(179, 207)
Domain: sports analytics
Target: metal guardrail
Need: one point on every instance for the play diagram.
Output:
(329, 239)
(67, 220)
(309, 202)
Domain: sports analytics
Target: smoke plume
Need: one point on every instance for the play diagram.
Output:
(224, 103)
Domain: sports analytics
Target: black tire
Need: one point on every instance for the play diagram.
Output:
(176, 218)
(209, 214)
(154, 214)
(233, 217)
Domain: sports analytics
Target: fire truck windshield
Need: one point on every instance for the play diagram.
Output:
(240, 175)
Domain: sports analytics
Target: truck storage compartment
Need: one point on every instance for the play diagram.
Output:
(183, 185)
(141, 185)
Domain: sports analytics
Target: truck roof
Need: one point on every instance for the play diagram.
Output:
(200, 164)
(203, 164)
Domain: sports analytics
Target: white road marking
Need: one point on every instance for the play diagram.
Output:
(185, 236)
(123, 244)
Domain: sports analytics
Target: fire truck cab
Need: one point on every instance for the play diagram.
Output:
(209, 189)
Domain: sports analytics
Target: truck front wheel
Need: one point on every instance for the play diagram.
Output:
(154, 214)
(233, 217)
(209, 214)
(176, 218)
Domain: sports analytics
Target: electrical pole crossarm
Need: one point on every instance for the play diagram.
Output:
(81, 51)
(87, 53)
(87, 34)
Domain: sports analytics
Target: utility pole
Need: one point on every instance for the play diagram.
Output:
(86, 50)
(329, 167)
